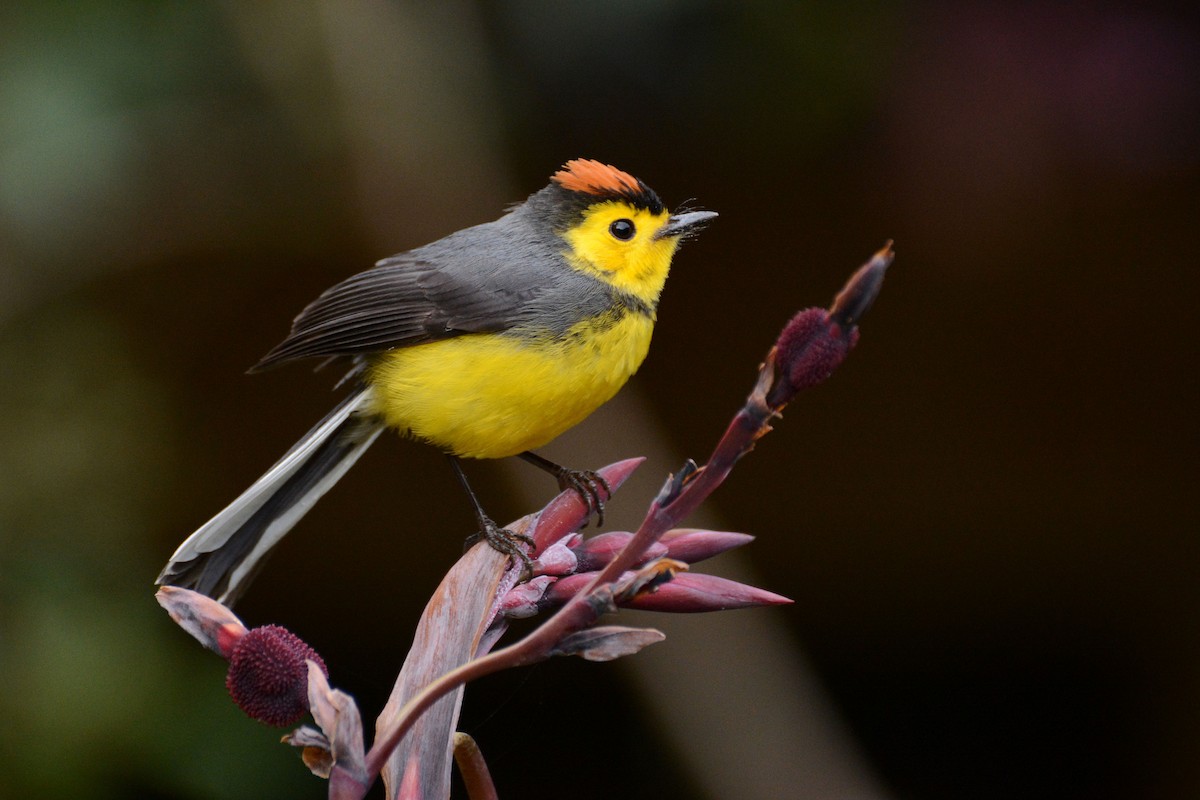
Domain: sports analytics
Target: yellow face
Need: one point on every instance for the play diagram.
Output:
(618, 243)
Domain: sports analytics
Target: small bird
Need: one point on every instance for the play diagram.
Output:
(487, 343)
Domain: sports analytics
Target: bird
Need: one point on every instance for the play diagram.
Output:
(487, 343)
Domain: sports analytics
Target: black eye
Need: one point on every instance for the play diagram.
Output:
(622, 229)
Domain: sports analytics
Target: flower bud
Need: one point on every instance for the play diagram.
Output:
(268, 677)
(815, 341)
(807, 352)
(692, 592)
(595, 552)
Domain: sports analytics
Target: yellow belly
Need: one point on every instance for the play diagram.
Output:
(492, 396)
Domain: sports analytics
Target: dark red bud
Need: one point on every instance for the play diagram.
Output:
(816, 341)
(268, 678)
(807, 352)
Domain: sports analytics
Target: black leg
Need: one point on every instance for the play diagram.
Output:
(584, 482)
(500, 539)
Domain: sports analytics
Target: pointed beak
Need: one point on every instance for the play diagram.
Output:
(685, 224)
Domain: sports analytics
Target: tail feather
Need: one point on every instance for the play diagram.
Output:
(222, 556)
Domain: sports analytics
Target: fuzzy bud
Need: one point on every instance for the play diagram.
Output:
(816, 341)
(268, 677)
(807, 352)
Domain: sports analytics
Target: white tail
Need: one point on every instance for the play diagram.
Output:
(222, 555)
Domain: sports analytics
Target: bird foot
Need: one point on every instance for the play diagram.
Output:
(507, 542)
(588, 486)
(583, 482)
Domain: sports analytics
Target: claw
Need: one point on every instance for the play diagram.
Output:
(500, 539)
(585, 483)
(588, 485)
(507, 542)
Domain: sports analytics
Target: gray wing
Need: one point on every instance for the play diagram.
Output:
(485, 278)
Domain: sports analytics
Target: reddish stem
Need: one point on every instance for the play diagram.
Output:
(681, 495)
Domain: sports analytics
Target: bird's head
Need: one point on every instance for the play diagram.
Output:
(616, 228)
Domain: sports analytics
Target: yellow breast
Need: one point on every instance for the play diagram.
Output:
(492, 396)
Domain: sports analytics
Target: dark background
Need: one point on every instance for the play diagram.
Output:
(984, 519)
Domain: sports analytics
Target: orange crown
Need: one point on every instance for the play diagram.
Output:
(587, 178)
(592, 177)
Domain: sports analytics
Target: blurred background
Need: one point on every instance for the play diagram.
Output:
(982, 518)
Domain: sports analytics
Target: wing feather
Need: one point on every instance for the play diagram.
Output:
(459, 284)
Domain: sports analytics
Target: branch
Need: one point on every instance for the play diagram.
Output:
(811, 346)
(276, 677)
